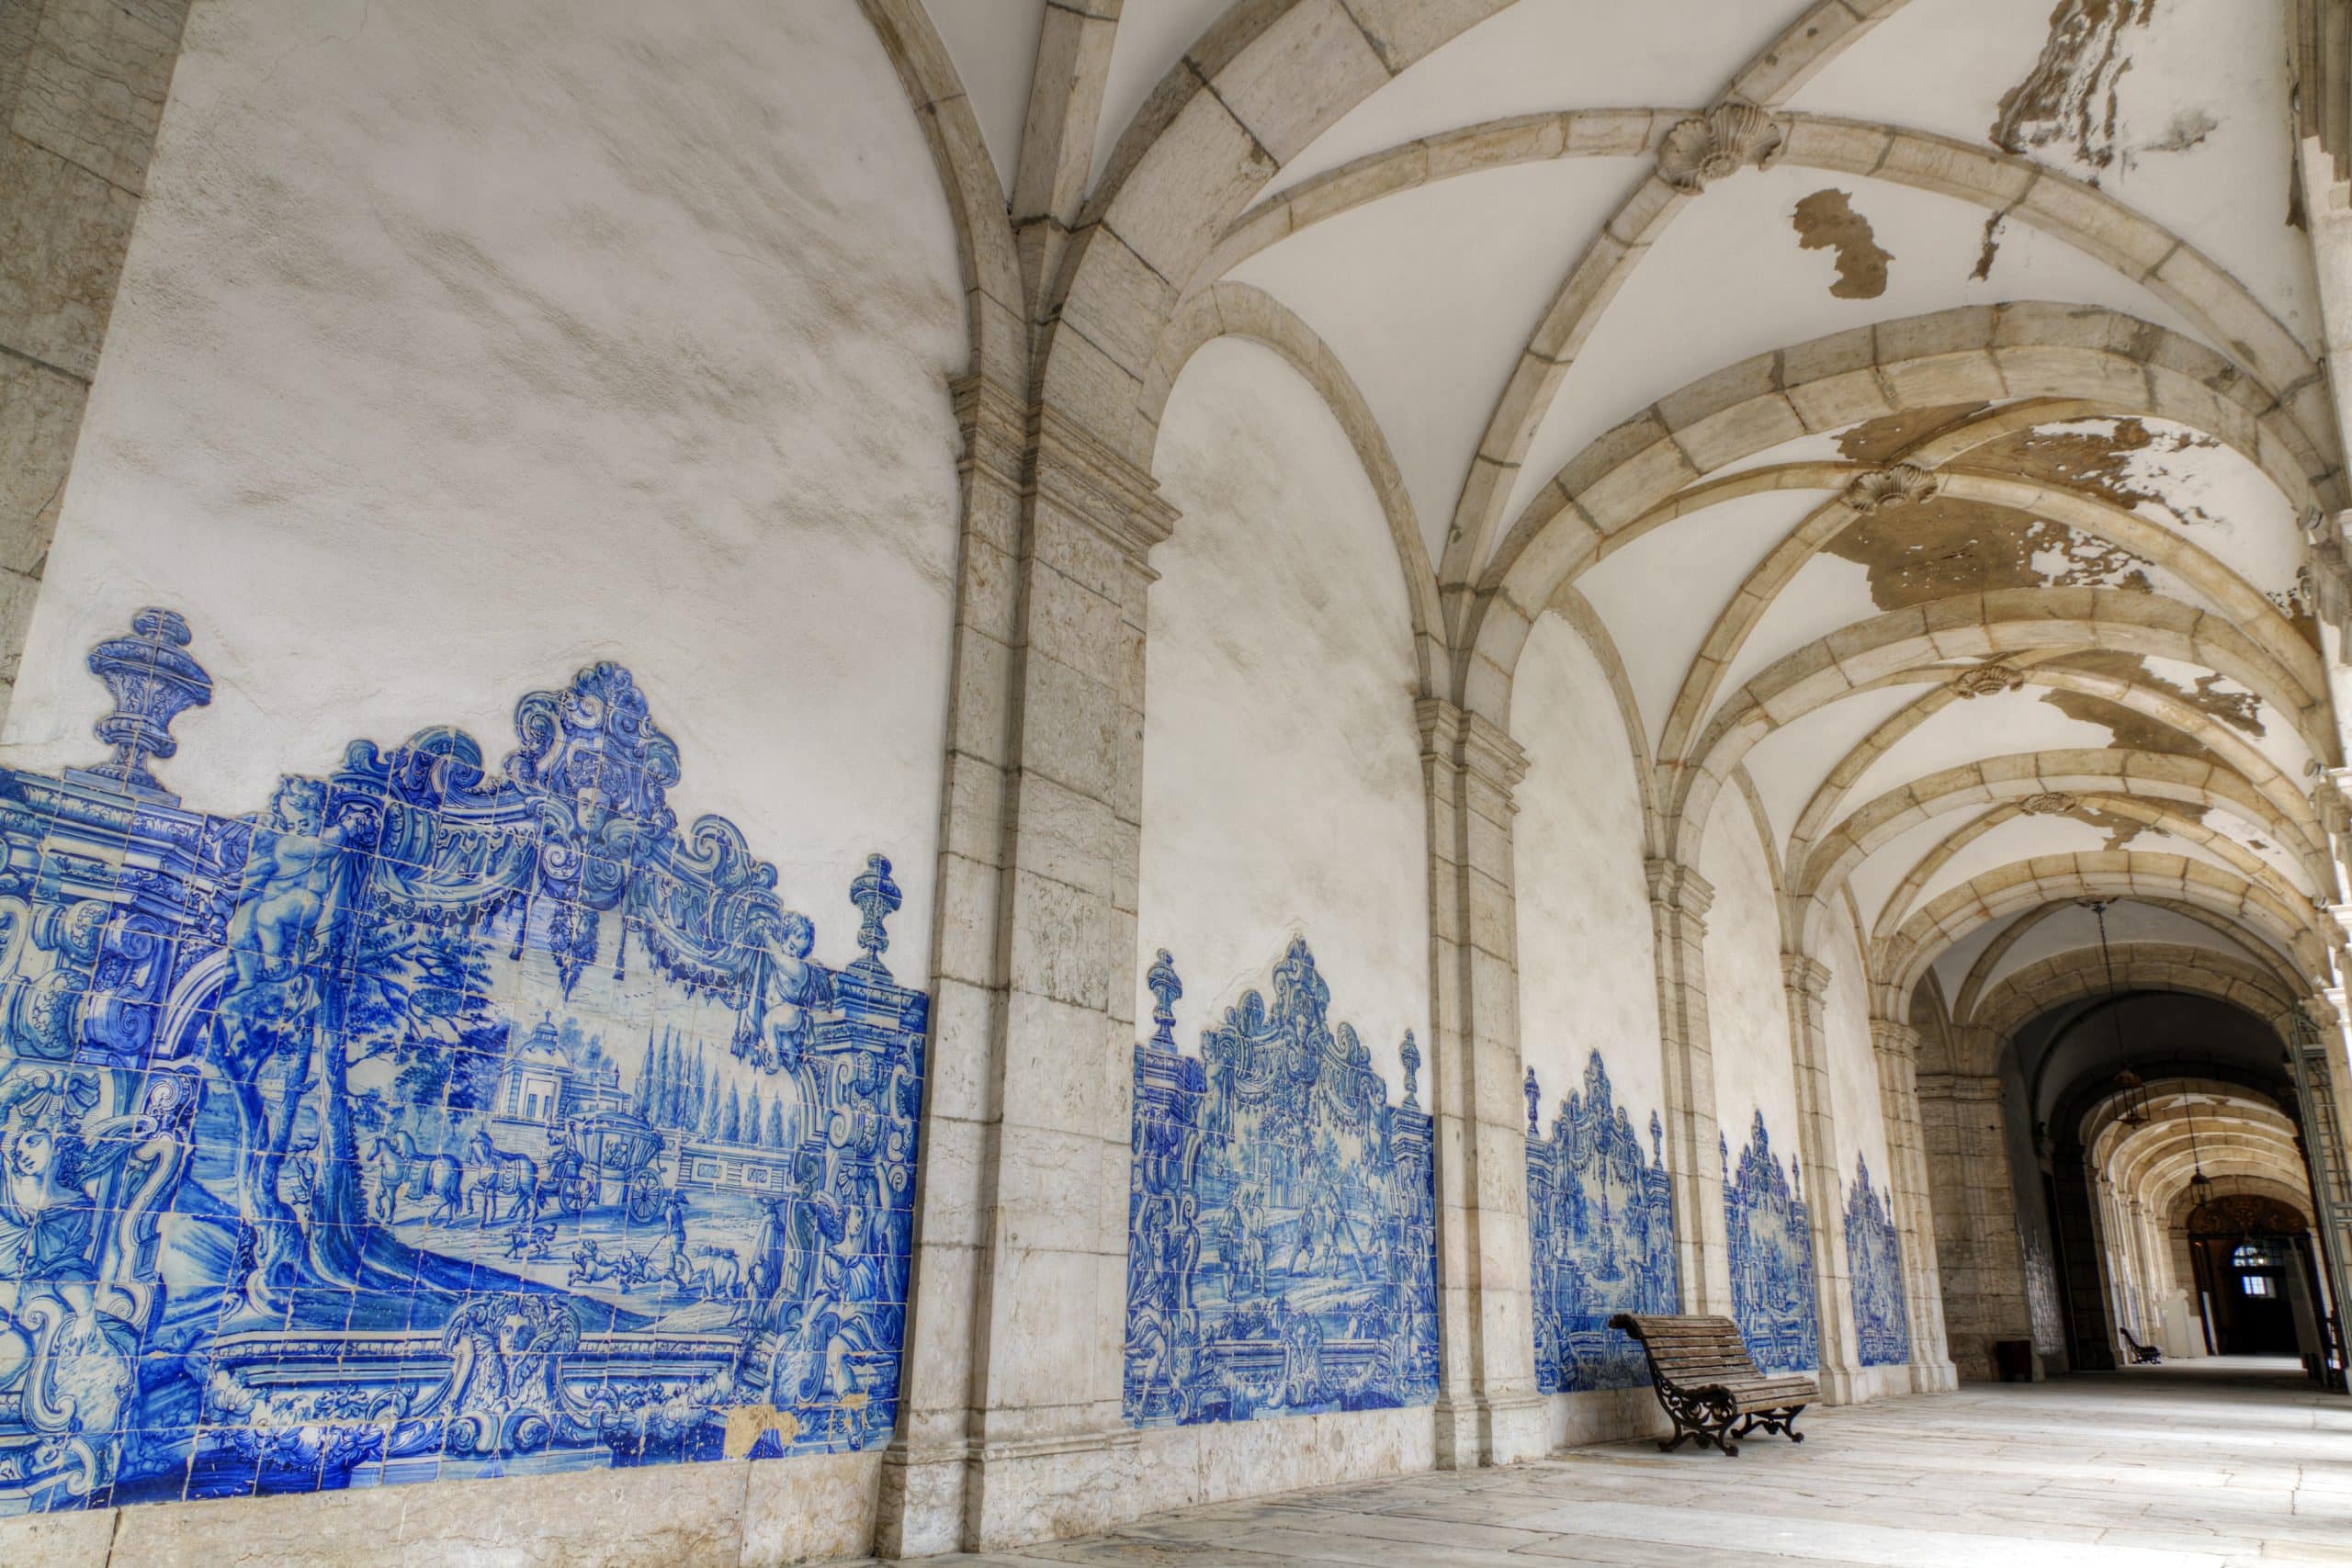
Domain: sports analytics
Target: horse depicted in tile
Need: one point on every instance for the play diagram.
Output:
(1282, 1255)
(434, 1121)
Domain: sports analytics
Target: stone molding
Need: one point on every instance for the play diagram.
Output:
(1089, 480)
(1471, 744)
(1679, 889)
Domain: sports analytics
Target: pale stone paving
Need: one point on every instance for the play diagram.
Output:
(2205, 1465)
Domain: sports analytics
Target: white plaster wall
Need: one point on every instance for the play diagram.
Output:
(459, 345)
(1282, 781)
(1747, 1011)
(1662, 594)
(1853, 1063)
(1588, 966)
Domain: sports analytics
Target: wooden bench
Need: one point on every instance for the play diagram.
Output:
(1706, 1382)
(2141, 1355)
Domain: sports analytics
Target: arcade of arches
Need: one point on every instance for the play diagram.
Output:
(1225, 715)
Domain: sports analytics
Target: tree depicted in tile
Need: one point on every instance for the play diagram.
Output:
(371, 1137)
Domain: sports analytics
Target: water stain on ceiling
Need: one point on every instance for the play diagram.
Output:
(2068, 98)
(2131, 730)
(1827, 220)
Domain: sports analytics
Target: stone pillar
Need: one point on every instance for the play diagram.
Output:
(1971, 1195)
(1679, 898)
(1488, 1411)
(1805, 982)
(1012, 1427)
(1895, 1051)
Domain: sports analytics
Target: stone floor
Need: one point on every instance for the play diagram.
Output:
(2183, 1466)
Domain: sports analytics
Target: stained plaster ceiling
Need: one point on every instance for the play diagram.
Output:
(2157, 135)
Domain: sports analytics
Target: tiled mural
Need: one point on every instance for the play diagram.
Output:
(1281, 1249)
(1770, 1243)
(1602, 1221)
(431, 1121)
(1874, 1273)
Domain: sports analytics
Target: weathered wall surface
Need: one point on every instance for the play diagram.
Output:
(1283, 1168)
(1587, 965)
(1747, 1010)
(460, 349)
(1588, 1035)
(1282, 788)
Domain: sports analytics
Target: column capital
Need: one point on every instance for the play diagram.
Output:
(995, 422)
(1806, 975)
(1899, 1039)
(1679, 888)
(1979, 1086)
(1090, 481)
(1468, 740)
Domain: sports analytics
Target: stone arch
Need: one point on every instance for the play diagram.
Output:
(1261, 83)
(2162, 817)
(1256, 88)
(994, 308)
(1976, 353)
(2069, 209)
(2020, 776)
(1234, 310)
(2246, 606)
(2124, 874)
(2249, 761)
(1919, 643)
(2067, 976)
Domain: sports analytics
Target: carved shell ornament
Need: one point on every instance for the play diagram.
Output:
(1718, 144)
(1987, 679)
(2049, 803)
(1901, 485)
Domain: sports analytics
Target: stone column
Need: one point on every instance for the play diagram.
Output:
(1488, 1411)
(1970, 1193)
(1011, 1429)
(1679, 898)
(1895, 1051)
(1805, 982)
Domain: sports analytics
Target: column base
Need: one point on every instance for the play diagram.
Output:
(1936, 1376)
(1051, 1488)
(1477, 1432)
(921, 1509)
(1836, 1384)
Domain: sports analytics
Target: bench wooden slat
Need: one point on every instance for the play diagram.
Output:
(1705, 1380)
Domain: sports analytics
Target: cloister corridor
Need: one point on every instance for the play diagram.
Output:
(2207, 1464)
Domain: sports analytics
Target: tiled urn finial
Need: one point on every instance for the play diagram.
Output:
(1165, 989)
(153, 681)
(1534, 1099)
(1410, 1054)
(877, 897)
(1715, 146)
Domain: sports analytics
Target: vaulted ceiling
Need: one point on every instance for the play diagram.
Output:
(1922, 400)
